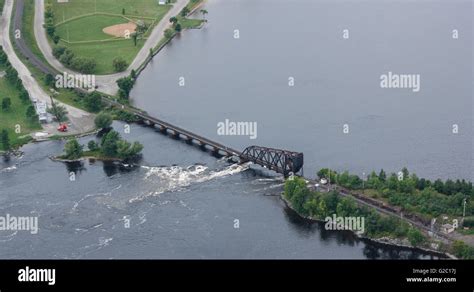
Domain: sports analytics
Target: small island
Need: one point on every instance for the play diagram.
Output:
(112, 147)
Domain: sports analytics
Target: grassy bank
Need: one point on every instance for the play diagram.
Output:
(14, 120)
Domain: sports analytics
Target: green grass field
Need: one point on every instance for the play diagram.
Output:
(16, 115)
(84, 20)
(76, 8)
(88, 28)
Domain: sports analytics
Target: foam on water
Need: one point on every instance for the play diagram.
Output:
(8, 169)
(175, 178)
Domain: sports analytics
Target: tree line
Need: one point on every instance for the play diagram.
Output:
(414, 194)
(11, 75)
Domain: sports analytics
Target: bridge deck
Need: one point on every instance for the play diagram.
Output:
(189, 135)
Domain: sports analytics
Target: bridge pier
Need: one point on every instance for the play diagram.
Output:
(162, 130)
(175, 135)
(202, 146)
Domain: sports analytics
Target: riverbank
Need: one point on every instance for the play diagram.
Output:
(385, 241)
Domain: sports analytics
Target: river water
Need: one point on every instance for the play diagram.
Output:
(179, 202)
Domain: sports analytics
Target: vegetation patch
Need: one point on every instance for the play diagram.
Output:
(17, 115)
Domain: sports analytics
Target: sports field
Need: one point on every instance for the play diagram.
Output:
(101, 29)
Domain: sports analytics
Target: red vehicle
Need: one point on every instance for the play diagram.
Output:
(62, 128)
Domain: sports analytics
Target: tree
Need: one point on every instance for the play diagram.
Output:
(174, 20)
(93, 102)
(73, 149)
(120, 64)
(323, 209)
(56, 39)
(126, 150)
(11, 75)
(291, 185)
(373, 181)
(6, 104)
(109, 144)
(355, 182)
(328, 174)
(169, 33)
(49, 80)
(83, 65)
(300, 195)
(141, 27)
(58, 51)
(24, 96)
(346, 207)
(123, 11)
(439, 186)
(185, 11)
(5, 140)
(103, 121)
(135, 38)
(204, 12)
(133, 74)
(405, 173)
(126, 85)
(392, 182)
(3, 56)
(66, 57)
(407, 186)
(382, 175)
(50, 28)
(415, 237)
(449, 187)
(31, 113)
(58, 111)
(92, 145)
(177, 27)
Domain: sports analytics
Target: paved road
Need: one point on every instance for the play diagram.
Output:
(106, 83)
(80, 121)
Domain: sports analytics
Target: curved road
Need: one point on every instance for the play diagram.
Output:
(106, 83)
(80, 121)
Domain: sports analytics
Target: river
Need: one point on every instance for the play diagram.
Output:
(179, 202)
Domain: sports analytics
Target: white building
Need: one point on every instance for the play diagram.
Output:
(447, 228)
(41, 111)
(161, 2)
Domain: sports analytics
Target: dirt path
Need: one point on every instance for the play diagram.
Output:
(80, 121)
(106, 83)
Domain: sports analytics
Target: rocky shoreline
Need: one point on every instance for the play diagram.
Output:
(59, 159)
